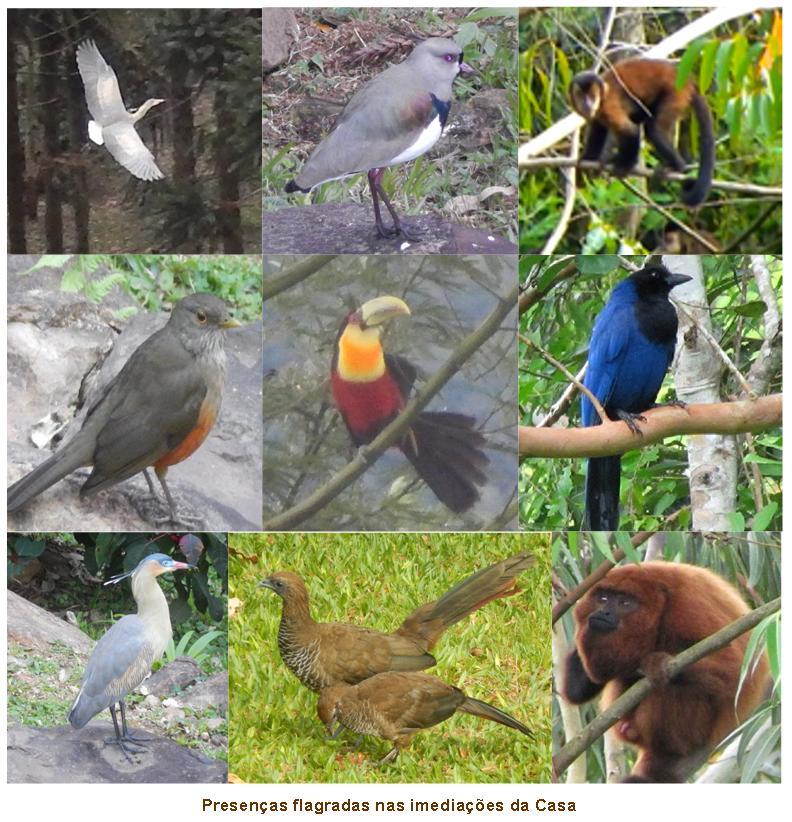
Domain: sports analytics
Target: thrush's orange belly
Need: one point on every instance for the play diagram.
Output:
(367, 406)
(206, 419)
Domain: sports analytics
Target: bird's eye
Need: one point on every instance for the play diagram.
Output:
(201, 317)
(450, 58)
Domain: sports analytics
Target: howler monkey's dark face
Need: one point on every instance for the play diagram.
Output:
(611, 607)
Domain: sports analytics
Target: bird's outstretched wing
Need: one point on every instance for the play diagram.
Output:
(124, 143)
(101, 85)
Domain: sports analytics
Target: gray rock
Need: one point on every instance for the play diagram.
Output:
(348, 228)
(180, 673)
(33, 627)
(38, 755)
(209, 693)
(279, 31)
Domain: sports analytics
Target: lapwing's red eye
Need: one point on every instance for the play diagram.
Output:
(450, 58)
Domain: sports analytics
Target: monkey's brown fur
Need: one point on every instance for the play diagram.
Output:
(642, 92)
(627, 626)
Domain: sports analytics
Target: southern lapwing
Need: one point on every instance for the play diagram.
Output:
(395, 117)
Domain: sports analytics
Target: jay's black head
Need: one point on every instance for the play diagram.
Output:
(657, 280)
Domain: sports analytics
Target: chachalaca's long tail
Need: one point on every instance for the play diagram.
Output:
(603, 478)
(487, 711)
(448, 457)
(426, 624)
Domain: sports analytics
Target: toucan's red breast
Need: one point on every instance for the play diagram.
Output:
(366, 406)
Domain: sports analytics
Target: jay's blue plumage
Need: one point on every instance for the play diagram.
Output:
(631, 348)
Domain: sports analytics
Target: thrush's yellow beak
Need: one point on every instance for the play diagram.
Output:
(230, 323)
(381, 309)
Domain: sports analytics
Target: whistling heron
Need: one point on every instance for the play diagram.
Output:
(113, 125)
(123, 657)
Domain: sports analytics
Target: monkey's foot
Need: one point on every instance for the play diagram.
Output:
(632, 421)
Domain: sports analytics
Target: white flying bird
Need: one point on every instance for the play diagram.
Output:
(112, 124)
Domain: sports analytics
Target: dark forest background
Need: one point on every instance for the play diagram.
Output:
(67, 194)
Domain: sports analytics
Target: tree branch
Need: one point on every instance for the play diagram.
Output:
(533, 293)
(630, 698)
(547, 357)
(565, 602)
(611, 438)
(391, 434)
(675, 176)
(685, 229)
(296, 273)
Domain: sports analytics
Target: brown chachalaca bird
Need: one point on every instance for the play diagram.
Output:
(395, 706)
(321, 654)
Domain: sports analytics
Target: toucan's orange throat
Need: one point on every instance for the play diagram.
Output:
(360, 357)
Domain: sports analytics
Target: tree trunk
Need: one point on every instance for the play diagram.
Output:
(183, 123)
(227, 214)
(697, 376)
(49, 92)
(79, 178)
(16, 153)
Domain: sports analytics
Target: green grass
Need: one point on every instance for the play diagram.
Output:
(36, 696)
(500, 654)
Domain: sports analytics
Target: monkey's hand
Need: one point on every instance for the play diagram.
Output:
(654, 667)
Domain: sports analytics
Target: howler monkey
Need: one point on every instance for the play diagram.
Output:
(627, 626)
(643, 92)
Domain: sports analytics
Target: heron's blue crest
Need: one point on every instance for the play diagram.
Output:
(161, 559)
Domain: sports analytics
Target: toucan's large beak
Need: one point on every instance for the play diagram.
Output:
(381, 309)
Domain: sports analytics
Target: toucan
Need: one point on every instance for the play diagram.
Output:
(371, 387)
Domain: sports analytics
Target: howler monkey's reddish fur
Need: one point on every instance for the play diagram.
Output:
(627, 626)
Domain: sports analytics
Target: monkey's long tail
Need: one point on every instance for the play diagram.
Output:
(603, 478)
(695, 191)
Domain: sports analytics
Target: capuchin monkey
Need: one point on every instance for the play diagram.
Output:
(643, 92)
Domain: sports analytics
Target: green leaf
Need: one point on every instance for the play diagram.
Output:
(707, 69)
(688, 61)
(73, 280)
(48, 261)
(597, 264)
(755, 308)
(764, 517)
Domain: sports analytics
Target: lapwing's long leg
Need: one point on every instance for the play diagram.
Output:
(398, 228)
(374, 177)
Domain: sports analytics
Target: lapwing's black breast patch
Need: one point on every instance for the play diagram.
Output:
(442, 107)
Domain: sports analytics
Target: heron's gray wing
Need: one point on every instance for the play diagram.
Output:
(120, 661)
(101, 85)
(124, 143)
